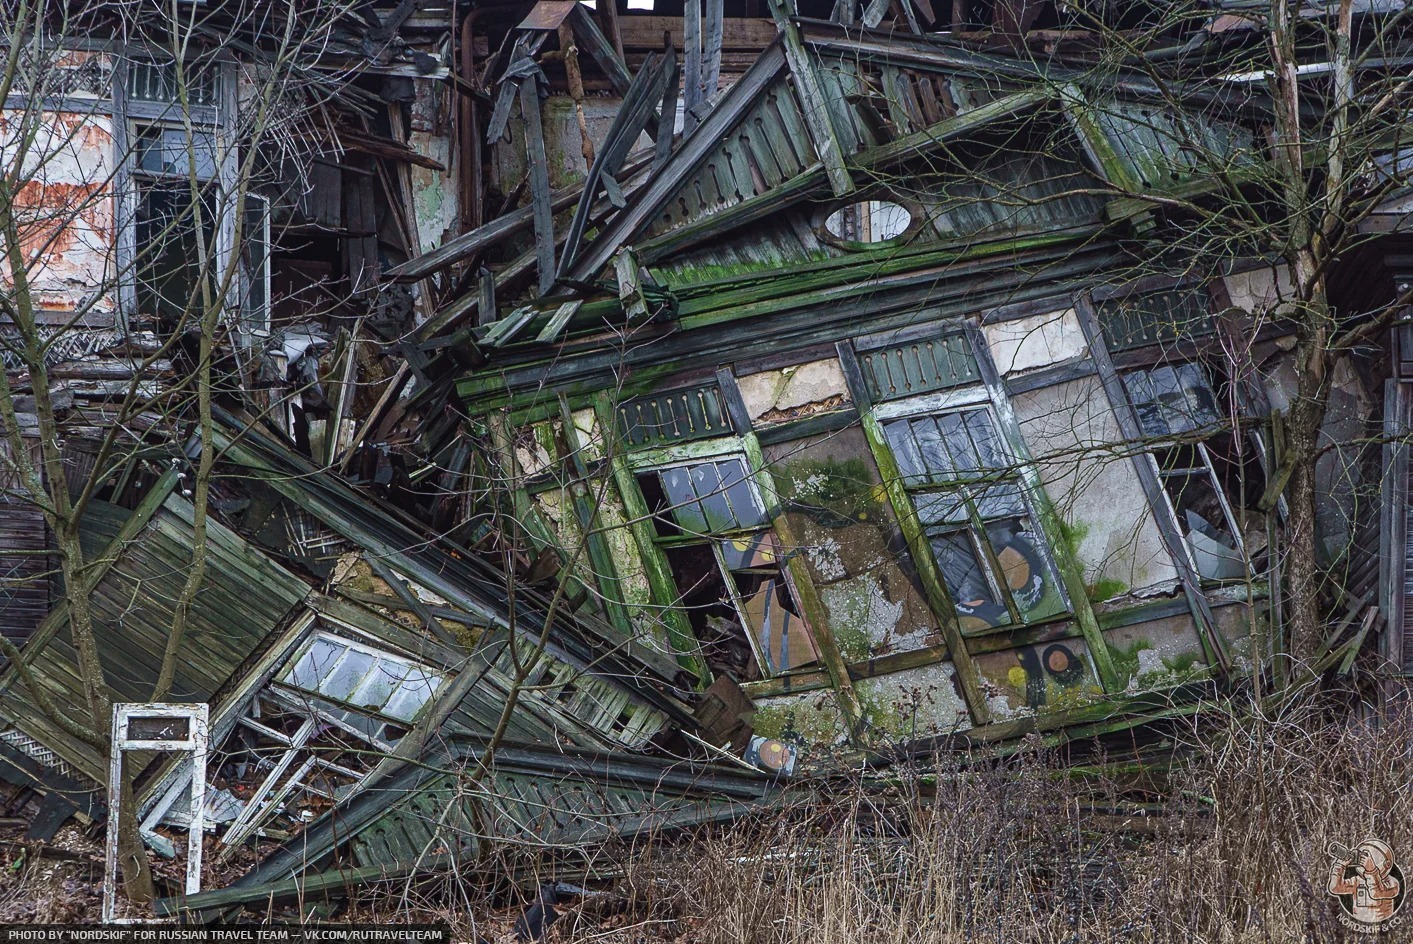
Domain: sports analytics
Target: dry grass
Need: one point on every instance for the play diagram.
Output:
(1022, 850)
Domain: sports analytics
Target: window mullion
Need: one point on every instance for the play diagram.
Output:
(991, 564)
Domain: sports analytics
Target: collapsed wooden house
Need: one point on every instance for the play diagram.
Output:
(819, 390)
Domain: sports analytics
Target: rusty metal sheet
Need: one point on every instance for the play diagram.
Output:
(548, 15)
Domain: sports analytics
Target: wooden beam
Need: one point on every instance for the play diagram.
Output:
(632, 118)
(814, 611)
(539, 183)
(1152, 488)
(661, 584)
(692, 64)
(662, 144)
(814, 106)
(1071, 570)
(910, 525)
(692, 152)
(711, 48)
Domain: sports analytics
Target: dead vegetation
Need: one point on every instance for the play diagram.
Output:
(1217, 832)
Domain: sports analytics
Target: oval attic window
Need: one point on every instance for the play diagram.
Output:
(869, 221)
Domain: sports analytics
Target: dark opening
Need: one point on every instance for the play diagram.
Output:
(707, 602)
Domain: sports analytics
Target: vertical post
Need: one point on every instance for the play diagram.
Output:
(692, 64)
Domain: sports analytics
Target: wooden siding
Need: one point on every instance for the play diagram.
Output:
(244, 597)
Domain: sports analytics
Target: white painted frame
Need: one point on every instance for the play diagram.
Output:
(196, 743)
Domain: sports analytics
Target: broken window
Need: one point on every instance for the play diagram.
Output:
(173, 151)
(974, 514)
(313, 733)
(729, 568)
(1208, 480)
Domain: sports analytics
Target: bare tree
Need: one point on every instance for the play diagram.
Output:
(123, 229)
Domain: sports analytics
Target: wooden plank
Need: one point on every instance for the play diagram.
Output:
(659, 573)
(551, 331)
(692, 66)
(1071, 571)
(740, 33)
(711, 48)
(815, 107)
(908, 522)
(539, 184)
(637, 106)
(662, 144)
(689, 155)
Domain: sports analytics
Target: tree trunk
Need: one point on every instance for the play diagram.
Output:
(1304, 613)
(132, 857)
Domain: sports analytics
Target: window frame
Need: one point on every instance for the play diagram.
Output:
(1157, 447)
(128, 116)
(1013, 474)
(659, 459)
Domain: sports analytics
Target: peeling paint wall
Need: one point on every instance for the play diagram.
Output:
(1069, 429)
(1026, 344)
(1038, 679)
(810, 720)
(1156, 654)
(65, 210)
(916, 703)
(791, 392)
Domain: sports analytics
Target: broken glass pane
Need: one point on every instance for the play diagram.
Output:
(378, 686)
(963, 573)
(905, 452)
(164, 151)
(766, 604)
(1203, 520)
(1171, 400)
(345, 679)
(710, 497)
(1025, 568)
(682, 500)
(740, 495)
(706, 479)
(416, 690)
(1000, 501)
(983, 440)
(317, 660)
(941, 507)
(934, 436)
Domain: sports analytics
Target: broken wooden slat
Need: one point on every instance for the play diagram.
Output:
(558, 321)
(873, 13)
(630, 286)
(506, 328)
(510, 85)
(662, 145)
(492, 233)
(630, 121)
(599, 49)
(711, 48)
(692, 151)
